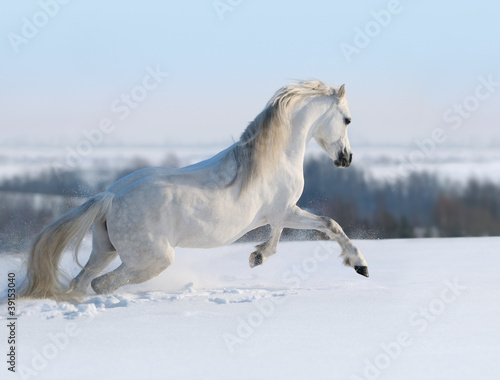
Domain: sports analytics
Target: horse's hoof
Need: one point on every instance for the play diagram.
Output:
(101, 284)
(362, 270)
(255, 259)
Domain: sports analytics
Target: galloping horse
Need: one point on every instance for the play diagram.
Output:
(254, 182)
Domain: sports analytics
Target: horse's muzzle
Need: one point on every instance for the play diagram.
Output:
(343, 160)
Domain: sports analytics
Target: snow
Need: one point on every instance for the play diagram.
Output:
(430, 310)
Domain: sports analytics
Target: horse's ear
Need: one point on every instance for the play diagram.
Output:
(341, 91)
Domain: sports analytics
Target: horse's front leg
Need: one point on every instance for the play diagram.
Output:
(300, 219)
(266, 249)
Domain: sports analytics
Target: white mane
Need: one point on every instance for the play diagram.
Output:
(262, 141)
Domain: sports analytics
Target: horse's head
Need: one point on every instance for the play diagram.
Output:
(331, 131)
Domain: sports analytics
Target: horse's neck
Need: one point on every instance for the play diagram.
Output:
(303, 124)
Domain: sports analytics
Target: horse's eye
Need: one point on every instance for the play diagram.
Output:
(347, 120)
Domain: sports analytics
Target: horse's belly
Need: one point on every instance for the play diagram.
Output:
(212, 233)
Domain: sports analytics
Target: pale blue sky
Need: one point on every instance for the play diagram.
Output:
(221, 72)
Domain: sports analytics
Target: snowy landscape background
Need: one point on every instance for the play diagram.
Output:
(428, 310)
(91, 91)
(384, 194)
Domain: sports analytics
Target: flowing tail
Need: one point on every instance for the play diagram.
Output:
(43, 274)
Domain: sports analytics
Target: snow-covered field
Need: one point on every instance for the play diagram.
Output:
(430, 310)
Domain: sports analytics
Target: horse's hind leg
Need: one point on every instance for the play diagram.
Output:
(136, 267)
(101, 256)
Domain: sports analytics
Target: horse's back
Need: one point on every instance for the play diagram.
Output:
(140, 175)
(219, 171)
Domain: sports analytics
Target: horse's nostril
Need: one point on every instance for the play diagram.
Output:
(350, 158)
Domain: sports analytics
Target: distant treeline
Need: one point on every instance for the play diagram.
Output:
(419, 205)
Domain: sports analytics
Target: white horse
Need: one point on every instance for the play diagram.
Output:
(256, 181)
